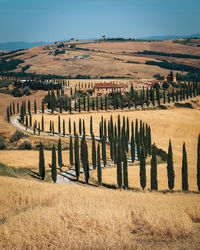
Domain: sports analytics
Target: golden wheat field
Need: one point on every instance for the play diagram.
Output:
(37, 215)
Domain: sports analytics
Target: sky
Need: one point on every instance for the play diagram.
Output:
(48, 20)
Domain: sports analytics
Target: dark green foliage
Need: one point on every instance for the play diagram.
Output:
(154, 181)
(70, 126)
(71, 153)
(198, 163)
(41, 161)
(63, 127)
(119, 164)
(142, 168)
(2, 143)
(17, 136)
(125, 172)
(84, 158)
(158, 95)
(74, 128)
(30, 120)
(132, 148)
(25, 146)
(91, 126)
(104, 150)
(8, 114)
(83, 127)
(42, 106)
(99, 165)
(59, 128)
(93, 152)
(60, 162)
(97, 104)
(170, 167)
(53, 165)
(35, 106)
(80, 127)
(88, 103)
(76, 156)
(26, 122)
(184, 170)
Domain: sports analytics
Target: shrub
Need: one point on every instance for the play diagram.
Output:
(183, 105)
(2, 143)
(26, 91)
(160, 153)
(17, 136)
(25, 145)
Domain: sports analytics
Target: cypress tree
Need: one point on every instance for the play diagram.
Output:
(17, 107)
(8, 114)
(91, 126)
(105, 129)
(60, 162)
(97, 104)
(76, 156)
(147, 97)
(142, 168)
(80, 127)
(158, 95)
(99, 165)
(30, 120)
(136, 99)
(83, 127)
(111, 149)
(41, 161)
(170, 167)
(118, 125)
(84, 158)
(84, 103)
(198, 163)
(35, 106)
(79, 105)
(13, 108)
(154, 181)
(93, 152)
(106, 103)
(115, 151)
(70, 126)
(125, 171)
(88, 103)
(26, 122)
(59, 129)
(184, 170)
(164, 97)
(104, 150)
(93, 104)
(63, 127)
(71, 152)
(53, 165)
(42, 106)
(119, 164)
(74, 128)
(153, 97)
(132, 148)
(53, 127)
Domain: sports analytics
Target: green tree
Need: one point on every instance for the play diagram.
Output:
(142, 168)
(42, 123)
(42, 106)
(8, 114)
(99, 165)
(170, 167)
(76, 156)
(53, 165)
(41, 161)
(104, 150)
(93, 152)
(29, 107)
(84, 158)
(91, 126)
(154, 181)
(59, 128)
(119, 164)
(71, 151)
(125, 171)
(63, 127)
(60, 162)
(74, 128)
(184, 170)
(35, 106)
(70, 126)
(132, 148)
(80, 127)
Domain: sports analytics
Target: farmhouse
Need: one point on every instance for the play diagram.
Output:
(104, 89)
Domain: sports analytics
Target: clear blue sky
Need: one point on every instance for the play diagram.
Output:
(52, 20)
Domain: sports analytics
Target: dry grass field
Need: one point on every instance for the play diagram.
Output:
(106, 59)
(37, 215)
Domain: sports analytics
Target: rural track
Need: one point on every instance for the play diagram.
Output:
(68, 176)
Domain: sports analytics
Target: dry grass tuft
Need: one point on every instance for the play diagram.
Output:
(43, 215)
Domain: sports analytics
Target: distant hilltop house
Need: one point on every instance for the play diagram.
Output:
(170, 78)
(105, 89)
(147, 84)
